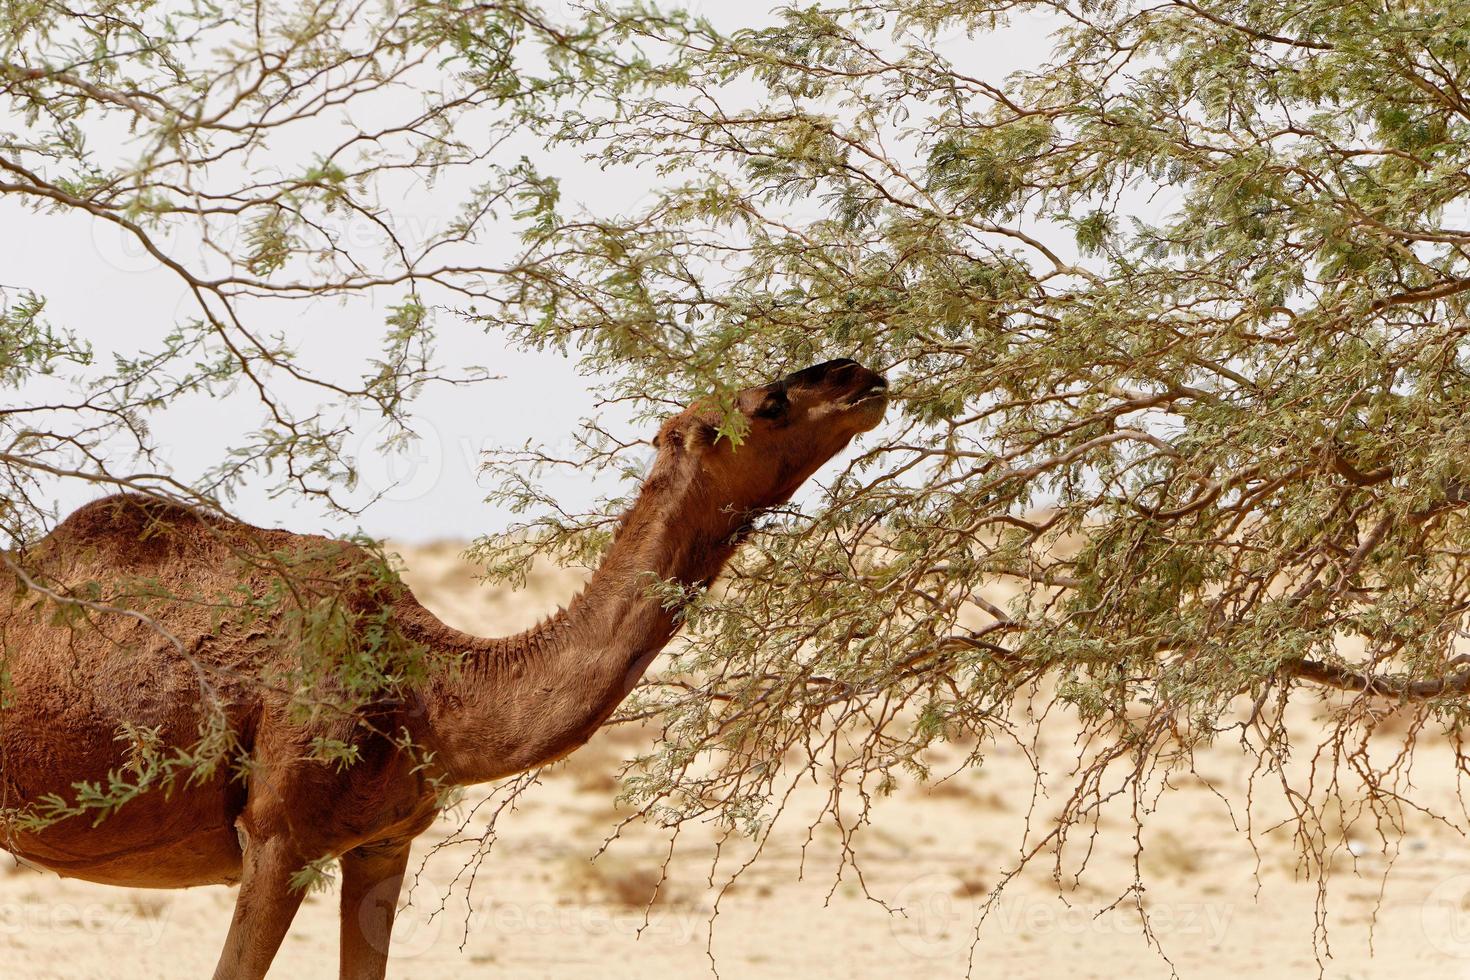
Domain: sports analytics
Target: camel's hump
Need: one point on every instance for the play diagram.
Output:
(135, 531)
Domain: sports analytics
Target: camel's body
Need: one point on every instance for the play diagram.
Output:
(508, 704)
(72, 689)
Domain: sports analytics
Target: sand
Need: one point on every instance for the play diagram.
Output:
(541, 907)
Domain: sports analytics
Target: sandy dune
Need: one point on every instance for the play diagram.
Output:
(541, 908)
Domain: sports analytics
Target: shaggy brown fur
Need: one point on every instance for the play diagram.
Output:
(204, 626)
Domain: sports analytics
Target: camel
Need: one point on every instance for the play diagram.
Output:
(166, 610)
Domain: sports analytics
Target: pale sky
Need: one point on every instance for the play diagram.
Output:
(100, 284)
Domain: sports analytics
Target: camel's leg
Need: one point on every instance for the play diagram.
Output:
(371, 878)
(263, 910)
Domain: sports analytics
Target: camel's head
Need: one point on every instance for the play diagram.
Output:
(795, 424)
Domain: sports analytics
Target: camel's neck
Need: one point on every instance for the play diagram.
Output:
(523, 700)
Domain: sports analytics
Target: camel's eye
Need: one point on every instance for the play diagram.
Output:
(773, 406)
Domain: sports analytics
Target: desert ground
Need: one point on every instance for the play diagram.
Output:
(541, 907)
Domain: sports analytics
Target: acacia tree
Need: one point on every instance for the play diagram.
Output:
(1177, 330)
(1174, 321)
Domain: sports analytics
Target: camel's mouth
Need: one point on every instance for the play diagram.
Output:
(867, 405)
(875, 392)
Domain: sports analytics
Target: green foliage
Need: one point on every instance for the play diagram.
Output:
(151, 766)
(1177, 327)
(29, 346)
(337, 618)
(314, 877)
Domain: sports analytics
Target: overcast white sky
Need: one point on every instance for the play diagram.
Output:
(100, 284)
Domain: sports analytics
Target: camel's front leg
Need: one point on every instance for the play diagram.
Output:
(263, 910)
(371, 878)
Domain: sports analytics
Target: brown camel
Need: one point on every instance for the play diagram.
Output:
(134, 615)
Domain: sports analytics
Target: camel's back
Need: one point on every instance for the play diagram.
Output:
(127, 579)
(131, 536)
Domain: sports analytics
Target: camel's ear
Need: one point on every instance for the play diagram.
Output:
(663, 439)
(698, 434)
